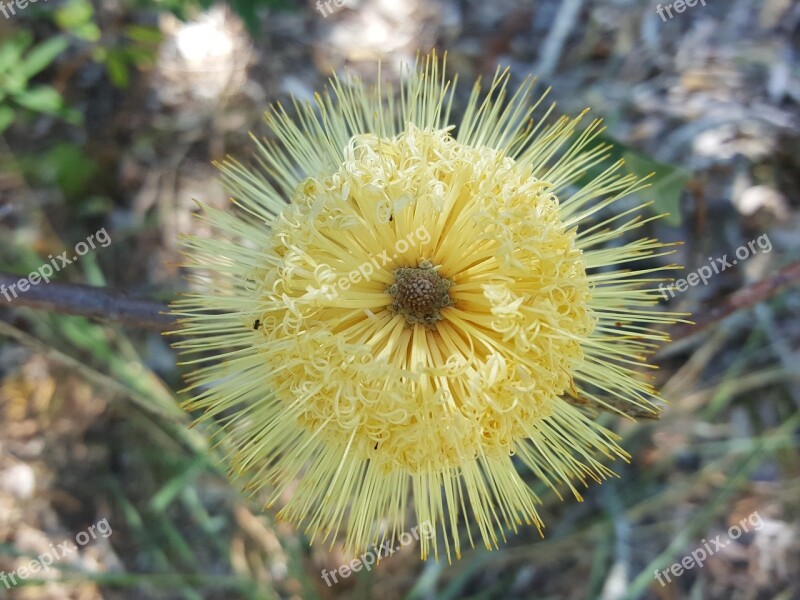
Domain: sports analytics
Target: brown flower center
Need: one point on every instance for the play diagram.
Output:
(419, 294)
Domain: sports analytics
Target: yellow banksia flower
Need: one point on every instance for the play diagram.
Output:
(406, 319)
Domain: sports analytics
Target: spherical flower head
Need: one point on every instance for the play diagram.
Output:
(399, 307)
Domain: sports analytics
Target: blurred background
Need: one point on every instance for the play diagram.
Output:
(111, 114)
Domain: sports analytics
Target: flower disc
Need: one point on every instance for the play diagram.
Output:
(429, 317)
(406, 396)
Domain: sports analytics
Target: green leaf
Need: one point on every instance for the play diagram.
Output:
(143, 35)
(117, 69)
(74, 14)
(13, 49)
(70, 115)
(65, 165)
(94, 206)
(141, 57)
(248, 11)
(75, 170)
(42, 55)
(666, 185)
(42, 99)
(88, 31)
(14, 83)
(6, 117)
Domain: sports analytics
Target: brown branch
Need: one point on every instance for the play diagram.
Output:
(742, 299)
(93, 302)
(116, 307)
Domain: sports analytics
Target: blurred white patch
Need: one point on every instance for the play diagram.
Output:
(387, 29)
(204, 60)
(616, 583)
(18, 480)
(774, 544)
(759, 197)
(201, 42)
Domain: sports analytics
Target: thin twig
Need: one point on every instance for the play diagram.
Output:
(553, 46)
(94, 302)
(116, 307)
(147, 403)
(742, 300)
